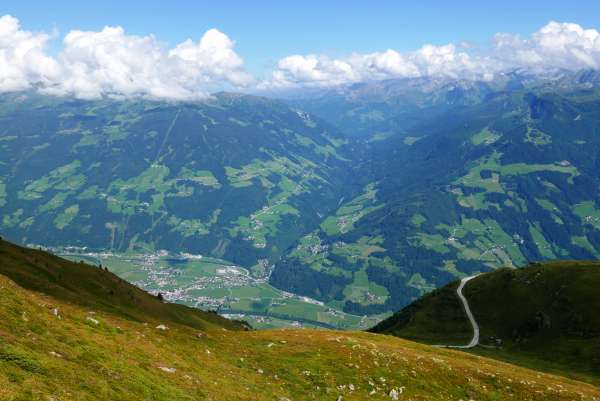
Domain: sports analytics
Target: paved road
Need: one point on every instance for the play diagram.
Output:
(475, 340)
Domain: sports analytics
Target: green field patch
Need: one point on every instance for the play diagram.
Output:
(588, 213)
(11, 220)
(43, 146)
(3, 194)
(261, 169)
(417, 220)
(311, 250)
(66, 217)
(325, 150)
(410, 140)
(583, 242)
(450, 267)
(485, 241)
(364, 292)
(239, 122)
(544, 247)
(380, 136)
(57, 201)
(60, 178)
(485, 137)
(492, 183)
(537, 137)
(417, 281)
(115, 133)
(360, 250)
(193, 227)
(88, 193)
(262, 223)
(202, 177)
(550, 207)
(87, 139)
(119, 204)
(153, 178)
(349, 213)
(434, 242)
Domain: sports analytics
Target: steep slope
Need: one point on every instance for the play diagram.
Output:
(543, 315)
(237, 177)
(93, 287)
(508, 179)
(83, 352)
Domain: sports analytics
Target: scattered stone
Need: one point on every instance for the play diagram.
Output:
(91, 319)
(270, 345)
(162, 327)
(260, 371)
(200, 334)
(167, 369)
(56, 354)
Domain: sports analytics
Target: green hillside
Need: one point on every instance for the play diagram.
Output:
(542, 316)
(63, 343)
(92, 287)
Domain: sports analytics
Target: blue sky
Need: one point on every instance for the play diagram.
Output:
(265, 31)
(184, 50)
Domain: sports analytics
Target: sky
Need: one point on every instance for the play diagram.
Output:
(326, 37)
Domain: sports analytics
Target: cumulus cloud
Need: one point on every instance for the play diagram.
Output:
(112, 63)
(23, 60)
(556, 45)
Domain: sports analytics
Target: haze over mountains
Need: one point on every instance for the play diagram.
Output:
(377, 194)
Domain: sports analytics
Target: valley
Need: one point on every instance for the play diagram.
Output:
(214, 284)
(327, 223)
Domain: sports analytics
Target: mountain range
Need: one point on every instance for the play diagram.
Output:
(362, 197)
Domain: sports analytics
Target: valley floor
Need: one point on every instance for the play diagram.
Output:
(215, 284)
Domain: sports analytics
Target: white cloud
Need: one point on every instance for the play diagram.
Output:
(112, 63)
(23, 61)
(556, 45)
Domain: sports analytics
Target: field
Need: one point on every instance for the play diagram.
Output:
(215, 284)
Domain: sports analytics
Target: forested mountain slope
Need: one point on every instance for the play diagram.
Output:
(501, 181)
(237, 176)
(456, 177)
